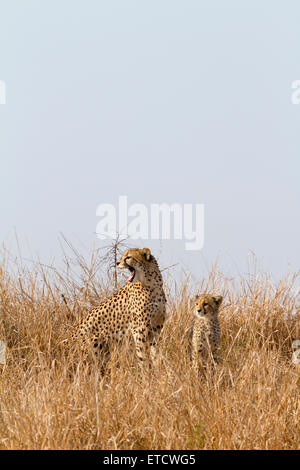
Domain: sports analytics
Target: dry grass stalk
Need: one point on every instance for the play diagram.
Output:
(251, 401)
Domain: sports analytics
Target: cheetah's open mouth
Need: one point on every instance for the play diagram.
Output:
(132, 274)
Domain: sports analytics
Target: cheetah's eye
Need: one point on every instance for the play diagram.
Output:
(205, 305)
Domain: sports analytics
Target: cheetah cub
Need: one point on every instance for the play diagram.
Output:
(205, 330)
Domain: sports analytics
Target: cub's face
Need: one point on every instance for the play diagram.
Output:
(207, 306)
(137, 262)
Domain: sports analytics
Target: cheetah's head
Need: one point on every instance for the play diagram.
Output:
(207, 306)
(138, 262)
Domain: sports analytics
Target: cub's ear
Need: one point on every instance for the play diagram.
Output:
(147, 253)
(195, 298)
(218, 299)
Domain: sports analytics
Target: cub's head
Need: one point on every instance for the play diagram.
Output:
(140, 263)
(207, 306)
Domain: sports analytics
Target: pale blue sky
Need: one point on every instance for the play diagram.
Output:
(162, 101)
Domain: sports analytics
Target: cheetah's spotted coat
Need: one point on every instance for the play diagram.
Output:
(205, 331)
(137, 310)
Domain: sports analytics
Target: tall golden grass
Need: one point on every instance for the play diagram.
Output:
(51, 398)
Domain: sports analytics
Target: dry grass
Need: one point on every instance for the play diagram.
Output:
(53, 400)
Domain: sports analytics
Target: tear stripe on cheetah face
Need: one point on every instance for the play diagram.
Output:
(137, 309)
(142, 266)
(206, 330)
(207, 305)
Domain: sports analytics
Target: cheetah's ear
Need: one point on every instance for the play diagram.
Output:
(218, 299)
(195, 298)
(147, 253)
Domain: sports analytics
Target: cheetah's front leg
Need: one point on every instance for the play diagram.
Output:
(142, 346)
(154, 337)
(154, 331)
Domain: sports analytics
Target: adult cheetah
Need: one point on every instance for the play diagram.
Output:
(205, 335)
(138, 309)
